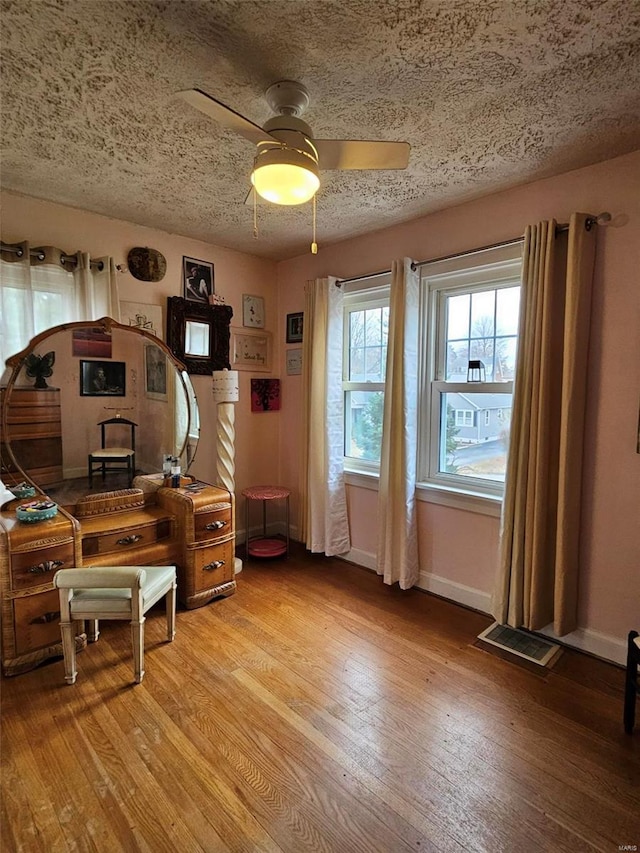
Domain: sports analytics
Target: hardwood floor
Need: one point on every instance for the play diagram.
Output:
(317, 710)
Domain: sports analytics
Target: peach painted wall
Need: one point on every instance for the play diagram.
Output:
(461, 546)
(45, 223)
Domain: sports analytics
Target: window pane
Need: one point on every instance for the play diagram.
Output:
(505, 360)
(369, 330)
(482, 349)
(482, 314)
(458, 317)
(508, 309)
(474, 435)
(457, 361)
(363, 424)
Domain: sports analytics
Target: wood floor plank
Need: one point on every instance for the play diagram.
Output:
(317, 710)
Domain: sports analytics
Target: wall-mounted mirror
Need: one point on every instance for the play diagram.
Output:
(101, 370)
(198, 334)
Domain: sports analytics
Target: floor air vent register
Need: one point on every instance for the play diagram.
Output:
(526, 646)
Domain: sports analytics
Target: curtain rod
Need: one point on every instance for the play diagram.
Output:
(601, 219)
(40, 255)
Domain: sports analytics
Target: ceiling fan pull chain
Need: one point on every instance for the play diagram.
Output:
(314, 245)
(255, 214)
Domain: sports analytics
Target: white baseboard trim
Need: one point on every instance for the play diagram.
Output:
(583, 639)
(360, 558)
(594, 642)
(459, 593)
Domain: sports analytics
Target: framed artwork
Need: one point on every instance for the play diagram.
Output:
(155, 373)
(265, 395)
(91, 343)
(294, 362)
(102, 378)
(197, 280)
(250, 349)
(294, 327)
(252, 311)
(147, 317)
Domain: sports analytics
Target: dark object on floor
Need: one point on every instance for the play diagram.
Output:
(631, 682)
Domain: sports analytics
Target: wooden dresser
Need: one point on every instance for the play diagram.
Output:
(34, 428)
(192, 529)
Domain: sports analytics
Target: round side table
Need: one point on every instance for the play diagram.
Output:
(266, 546)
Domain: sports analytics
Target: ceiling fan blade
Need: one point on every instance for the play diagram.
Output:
(361, 154)
(224, 115)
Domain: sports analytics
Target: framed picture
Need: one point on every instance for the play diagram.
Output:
(265, 395)
(102, 378)
(294, 362)
(147, 317)
(197, 280)
(250, 350)
(252, 311)
(294, 328)
(155, 373)
(91, 343)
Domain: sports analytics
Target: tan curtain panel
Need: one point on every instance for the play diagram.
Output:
(538, 573)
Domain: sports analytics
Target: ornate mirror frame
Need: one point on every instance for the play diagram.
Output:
(218, 319)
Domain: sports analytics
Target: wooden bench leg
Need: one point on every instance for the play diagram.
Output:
(137, 638)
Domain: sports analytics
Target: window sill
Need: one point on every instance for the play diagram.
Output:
(468, 501)
(362, 480)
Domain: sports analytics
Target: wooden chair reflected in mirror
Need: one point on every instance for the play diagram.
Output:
(109, 459)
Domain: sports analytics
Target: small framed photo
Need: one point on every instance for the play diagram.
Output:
(250, 349)
(155, 373)
(102, 378)
(294, 362)
(294, 328)
(91, 343)
(197, 280)
(265, 395)
(252, 311)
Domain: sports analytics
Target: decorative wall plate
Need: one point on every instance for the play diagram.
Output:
(146, 264)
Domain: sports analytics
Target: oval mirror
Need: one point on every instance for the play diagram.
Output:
(101, 371)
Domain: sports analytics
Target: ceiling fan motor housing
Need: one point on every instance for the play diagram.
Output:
(287, 97)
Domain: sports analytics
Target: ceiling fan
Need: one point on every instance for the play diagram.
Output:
(288, 157)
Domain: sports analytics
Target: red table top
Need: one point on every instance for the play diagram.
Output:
(265, 493)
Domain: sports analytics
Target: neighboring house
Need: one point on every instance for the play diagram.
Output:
(479, 417)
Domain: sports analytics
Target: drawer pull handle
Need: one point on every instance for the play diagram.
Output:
(216, 525)
(217, 564)
(45, 618)
(129, 540)
(47, 566)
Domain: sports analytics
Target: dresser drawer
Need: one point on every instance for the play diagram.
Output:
(37, 567)
(212, 566)
(37, 621)
(212, 523)
(126, 539)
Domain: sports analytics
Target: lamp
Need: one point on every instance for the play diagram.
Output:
(476, 372)
(286, 175)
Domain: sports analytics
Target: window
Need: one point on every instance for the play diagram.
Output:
(31, 307)
(470, 313)
(366, 329)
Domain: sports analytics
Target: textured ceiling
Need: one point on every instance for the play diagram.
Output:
(489, 93)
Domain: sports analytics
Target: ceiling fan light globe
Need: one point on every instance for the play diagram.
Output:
(285, 183)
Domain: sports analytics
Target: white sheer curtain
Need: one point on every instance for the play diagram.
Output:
(323, 522)
(37, 292)
(397, 555)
